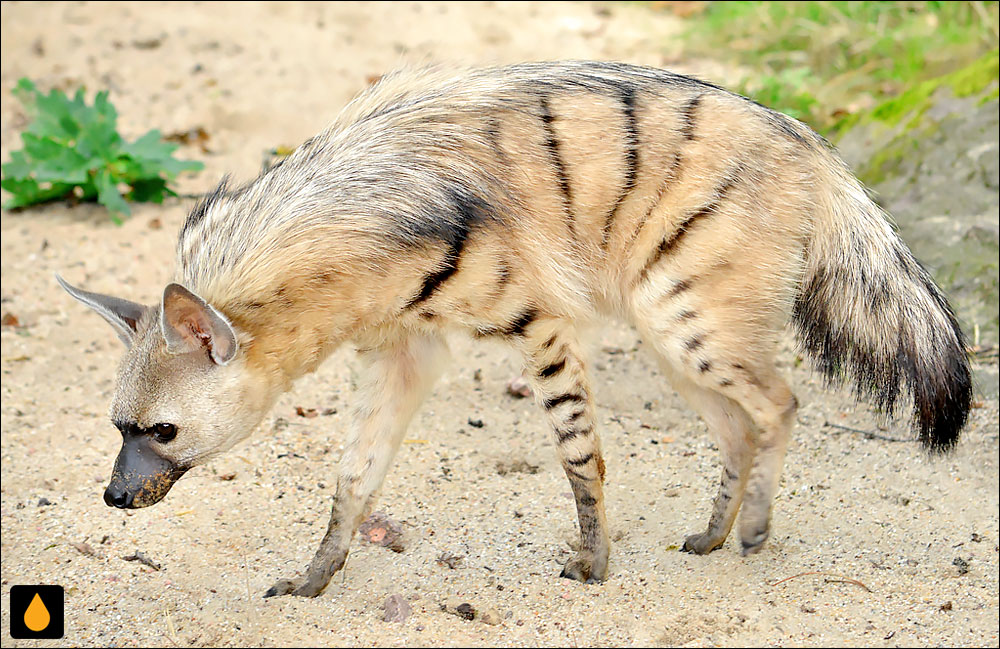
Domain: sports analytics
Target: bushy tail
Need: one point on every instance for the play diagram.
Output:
(868, 310)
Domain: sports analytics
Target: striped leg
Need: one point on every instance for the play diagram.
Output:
(751, 419)
(731, 427)
(714, 361)
(396, 377)
(774, 407)
(558, 376)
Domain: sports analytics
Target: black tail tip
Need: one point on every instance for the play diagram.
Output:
(941, 417)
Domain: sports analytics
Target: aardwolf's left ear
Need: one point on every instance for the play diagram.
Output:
(189, 323)
(121, 314)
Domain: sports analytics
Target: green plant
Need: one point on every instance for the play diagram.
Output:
(822, 61)
(72, 150)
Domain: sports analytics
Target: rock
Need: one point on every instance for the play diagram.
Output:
(379, 529)
(935, 169)
(460, 607)
(518, 387)
(489, 616)
(397, 609)
(468, 611)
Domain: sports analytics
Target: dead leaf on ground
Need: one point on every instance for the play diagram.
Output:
(679, 8)
(197, 136)
(449, 560)
(517, 466)
(84, 548)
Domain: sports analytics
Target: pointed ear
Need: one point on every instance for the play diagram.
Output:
(121, 314)
(190, 323)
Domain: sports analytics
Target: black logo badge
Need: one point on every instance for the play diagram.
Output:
(36, 612)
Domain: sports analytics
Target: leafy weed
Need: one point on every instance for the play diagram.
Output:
(72, 150)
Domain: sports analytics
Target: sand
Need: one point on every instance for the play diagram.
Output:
(873, 542)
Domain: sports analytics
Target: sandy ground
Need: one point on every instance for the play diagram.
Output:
(907, 546)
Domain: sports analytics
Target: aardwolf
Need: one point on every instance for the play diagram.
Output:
(521, 203)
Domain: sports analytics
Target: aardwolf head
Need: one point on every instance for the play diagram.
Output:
(183, 391)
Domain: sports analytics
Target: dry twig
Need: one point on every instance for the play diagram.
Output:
(838, 579)
(868, 433)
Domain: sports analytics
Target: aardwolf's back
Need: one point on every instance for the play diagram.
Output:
(564, 163)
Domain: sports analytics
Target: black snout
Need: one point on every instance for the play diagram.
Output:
(140, 477)
(116, 496)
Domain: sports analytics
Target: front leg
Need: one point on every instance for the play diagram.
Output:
(559, 380)
(396, 377)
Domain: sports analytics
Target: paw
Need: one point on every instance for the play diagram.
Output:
(752, 543)
(300, 586)
(701, 543)
(585, 569)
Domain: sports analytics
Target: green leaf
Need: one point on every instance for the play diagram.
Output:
(150, 146)
(24, 90)
(54, 162)
(29, 192)
(152, 190)
(109, 196)
(18, 167)
(151, 151)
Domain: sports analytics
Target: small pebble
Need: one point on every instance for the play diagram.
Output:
(461, 608)
(489, 616)
(397, 609)
(518, 388)
(379, 529)
(84, 548)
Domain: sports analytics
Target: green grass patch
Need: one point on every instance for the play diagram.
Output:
(823, 61)
(970, 80)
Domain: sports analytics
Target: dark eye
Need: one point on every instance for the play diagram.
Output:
(164, 432)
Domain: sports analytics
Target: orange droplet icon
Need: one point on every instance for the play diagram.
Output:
(36, 617)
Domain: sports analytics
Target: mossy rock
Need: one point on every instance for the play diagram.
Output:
(931, 158)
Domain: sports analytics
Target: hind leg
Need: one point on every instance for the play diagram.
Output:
(760, 412)
(751, 419)
(773, 406)
(730, 426)
(722, 363)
